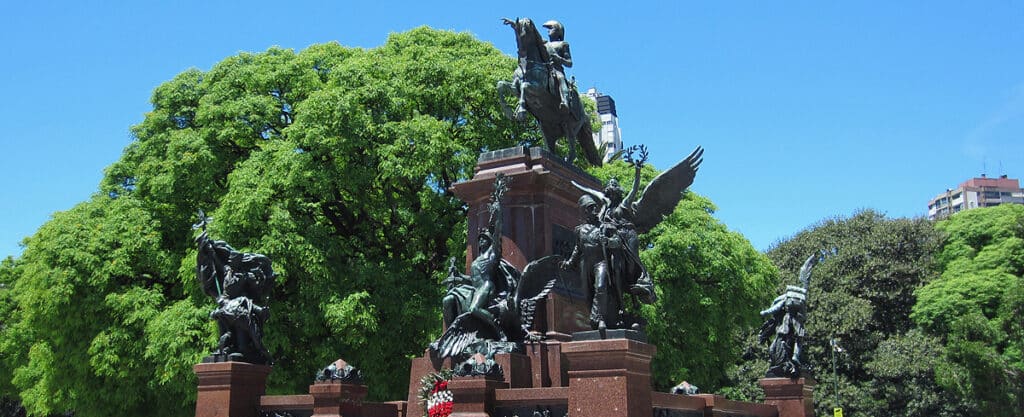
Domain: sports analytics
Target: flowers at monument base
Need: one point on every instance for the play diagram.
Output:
(434, 393)
(439, 403)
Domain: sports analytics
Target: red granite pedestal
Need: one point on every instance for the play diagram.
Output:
(609, 378)
(516, 373)
(336, 399)
(793, 397)
(540, 206)
(540, 212)
(474, 396)
(230, 389)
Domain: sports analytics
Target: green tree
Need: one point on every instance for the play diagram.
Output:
(335, 162)
(710, 282)
(976, 305)
(862, 295)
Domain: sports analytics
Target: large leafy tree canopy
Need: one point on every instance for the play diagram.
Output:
(336, 163)
(929, 314)
(862, 295)
(333, 161)
(977, 307)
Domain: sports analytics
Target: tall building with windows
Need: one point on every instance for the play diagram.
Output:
(609, 136)
(974, 193)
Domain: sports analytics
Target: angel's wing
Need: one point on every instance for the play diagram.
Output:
(663, 194)
(464, 331)
(805, 270)
(538, 279)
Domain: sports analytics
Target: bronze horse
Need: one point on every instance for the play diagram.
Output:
(538, 94)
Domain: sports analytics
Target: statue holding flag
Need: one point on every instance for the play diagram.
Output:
(240, 283)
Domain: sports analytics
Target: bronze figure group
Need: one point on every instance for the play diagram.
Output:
(490, 309)
(607, 251)
(239, 283)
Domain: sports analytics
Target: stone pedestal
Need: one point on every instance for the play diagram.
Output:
(540, 214)
(230, 389)
(337, 399)
(546, 364)
(420, 367)
(474, 396)
(515, 369)
(609, 378)
(793, 397)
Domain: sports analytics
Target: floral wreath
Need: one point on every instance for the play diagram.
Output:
(434, 394)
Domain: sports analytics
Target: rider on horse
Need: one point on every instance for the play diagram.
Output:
(559, 55)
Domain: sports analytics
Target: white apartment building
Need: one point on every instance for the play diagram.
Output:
(609, 136)
(974, 193)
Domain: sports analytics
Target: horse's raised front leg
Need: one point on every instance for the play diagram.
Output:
(504, 89)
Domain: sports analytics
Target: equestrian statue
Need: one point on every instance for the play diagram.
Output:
(543, 90)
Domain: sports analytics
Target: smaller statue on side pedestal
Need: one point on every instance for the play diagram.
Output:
(240, 283)
(340, 370)
(786, 318)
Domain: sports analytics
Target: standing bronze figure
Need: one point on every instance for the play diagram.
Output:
(542, 89)
(786, 318)
(240, 283)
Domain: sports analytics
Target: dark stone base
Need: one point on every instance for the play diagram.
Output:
(610, 334)
(217, 358)
(234, 357)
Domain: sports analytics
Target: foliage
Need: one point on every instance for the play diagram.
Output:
(335, 162)
(862, 295)
(710, 282)
(87, 286)
(976, 306)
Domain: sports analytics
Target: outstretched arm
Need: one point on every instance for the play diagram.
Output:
(495, 228)
(638, 165)
(628, 201)
(599, 196)
(500, 188)
(776, 306)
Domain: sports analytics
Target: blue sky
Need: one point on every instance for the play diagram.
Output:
(807, 110)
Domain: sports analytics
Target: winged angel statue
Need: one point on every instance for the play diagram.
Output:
(491, 310)
(785, 318)
(607, 245)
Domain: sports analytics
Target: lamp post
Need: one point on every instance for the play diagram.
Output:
(835, 376)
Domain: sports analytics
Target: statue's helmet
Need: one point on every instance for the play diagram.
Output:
(586, 201)
(485, 233)
(556, 30)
